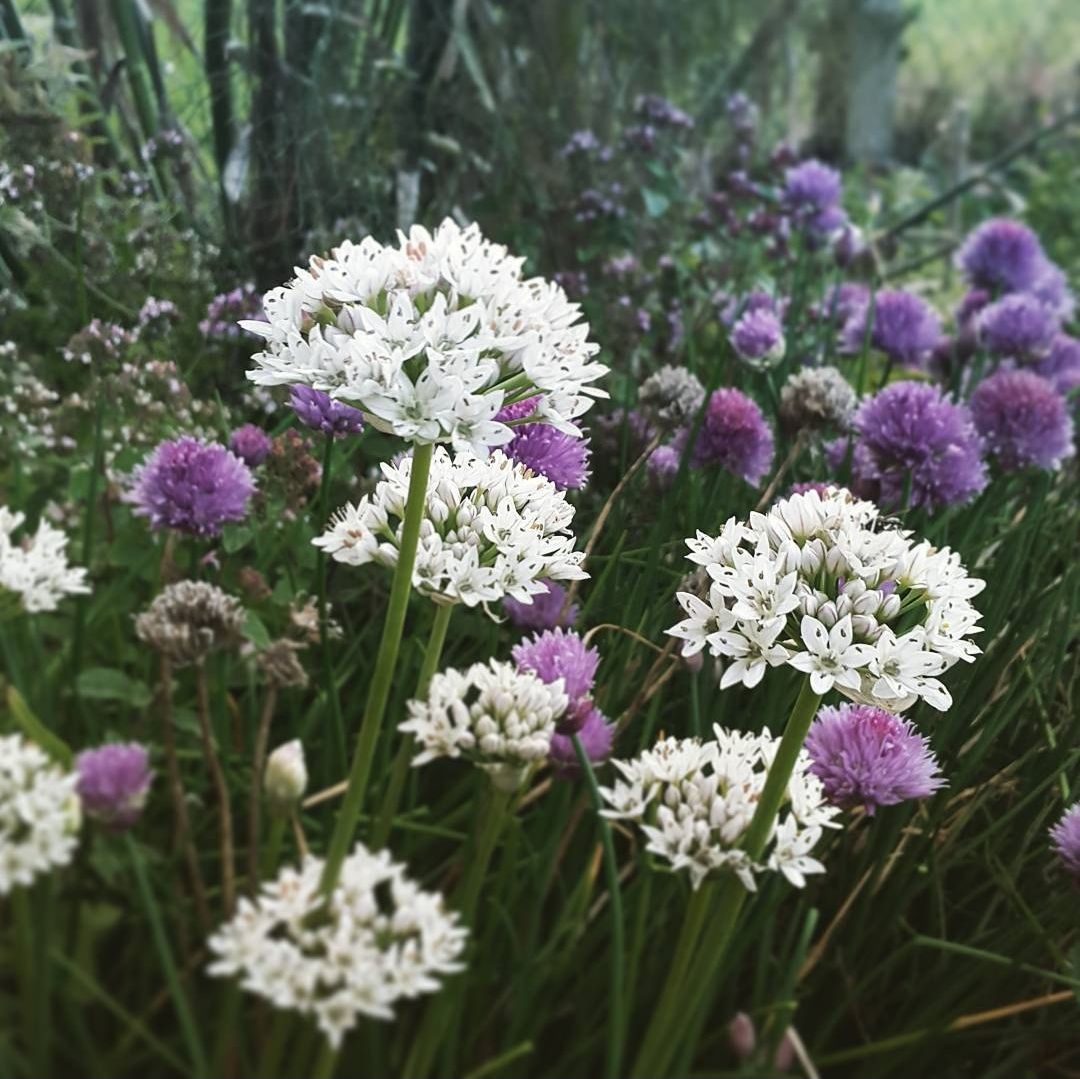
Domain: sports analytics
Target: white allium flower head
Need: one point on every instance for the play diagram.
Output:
(492, 714)
(825, 584)
(430, 337)
(36, 569)
(39, 814)
(378, 939)
(695, 800)
(491, 529)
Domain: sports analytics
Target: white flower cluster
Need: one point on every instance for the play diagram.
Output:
(490, 529)
(492, 714)
(379, 938)
(823, 583)
(39, 813)
(431, 337)
(694, 801)
(36, 569)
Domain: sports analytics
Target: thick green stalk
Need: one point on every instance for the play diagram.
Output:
(330, 682)
(616, 1027)
(400, 771)
(385, 661)
(665, 1038)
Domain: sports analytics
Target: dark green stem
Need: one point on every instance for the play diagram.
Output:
(330, 681)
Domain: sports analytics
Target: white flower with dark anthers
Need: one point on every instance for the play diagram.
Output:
(694, 802)
(823, 583)
(491, 529)
(500, 718)
(39, 814)
(430, 337)
(35, 569)
(378, 939)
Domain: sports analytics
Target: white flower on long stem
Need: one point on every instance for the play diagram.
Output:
(35, 570)
(831, 658)
(752, 652)
(703, 622)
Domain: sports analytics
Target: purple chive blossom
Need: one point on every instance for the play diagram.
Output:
(1061, 365)
(758, 336)
(1065, 837)
(663, 465)
(810, 188)
(226, 310)
(113, 783)
(1023, 420)
(905, 327)
(545, 611)
(558, 653)
(1052, 289)
(1019, 326)
(910, 434)
(867, 756)
(1002, 256)
(251, 444)
(596, 736)
(191, 486)
(518, 410)
(974, 301)
(551, 453)
(321, 412)
(735, 436)
(811, 485)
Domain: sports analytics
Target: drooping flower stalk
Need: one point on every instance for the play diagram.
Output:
(385, 662)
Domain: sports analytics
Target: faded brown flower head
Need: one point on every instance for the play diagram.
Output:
(253, 584)
(816, 399)
(190, 619)
(280, 665)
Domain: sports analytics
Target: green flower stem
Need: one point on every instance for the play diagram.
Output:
(385, 661)
(400, 770)
(325, 1062)
(330, 682)
(616, 1027)
(23, 928)
(272, 853)
(706, 953)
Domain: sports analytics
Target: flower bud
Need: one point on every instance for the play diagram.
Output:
(890, 608)
(741, 1036)
(286, 778)
(828, 615)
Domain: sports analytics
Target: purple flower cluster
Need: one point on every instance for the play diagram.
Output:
(735, 436)
(758, 337)
(551, 453)
(191, 486)
(113, 781)
(1023, 420)
(1002, 256)
(811, 194)
(910, 436)
(902, 325)
(251, 444)
(866, 756)
(226, 310)
(1065, 837)
(1061, 365)
(321, 412)
(1018, 326)
(545, 611)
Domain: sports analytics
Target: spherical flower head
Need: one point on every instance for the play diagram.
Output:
(321, 412)
(1018, 326)
(1001, 256)
(251, 444)
(694, 802)
(1051, 288)
(816, 399)
(500, 718)
(671, 397)
(903, 326)
(556, 654)
(376, 940)
(425, 335)
(1061, 364)
(551, 453)
(190, 619)
(34, 570)
(491, 528)
(811, 187)
(1023, 420)
(663, 465)
(546, 609)
(596, 735)
(869, 757)
(113, 783)
(909, 434)
(39, 814)
(758, 337)
(191, 486)
(735, 436)
(286, 776)
(1065, 837)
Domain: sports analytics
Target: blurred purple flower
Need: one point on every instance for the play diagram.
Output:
(758, 336)
(596, 735)
(1065, 837)
(1061, 364)
(1002, 256)
(811, 187)
(113, 781)
(905, 327)
(735, 436)
(1023, 420)
(251, 444)
(1018, 325)
(545, 611)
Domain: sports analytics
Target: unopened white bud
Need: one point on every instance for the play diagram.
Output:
(286, 777)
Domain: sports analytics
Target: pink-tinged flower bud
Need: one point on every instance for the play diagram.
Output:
(741, 1036)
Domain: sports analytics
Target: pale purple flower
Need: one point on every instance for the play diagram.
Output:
(251, 444)
(1065, 836)
(545, 611)
(1052, 288)
(1002, 256)
(758, 336)
(867, 756)
(811, 187)
(191, 486)
(551, 453)
(113, 783)
(1023, 420)
(558, 653)
(909, 434)
(596, 735)
(735, 436)
(663, 465)
(226, 310)
(1061, 364)
(905, 327)
(321, 412)
(1018, 325)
